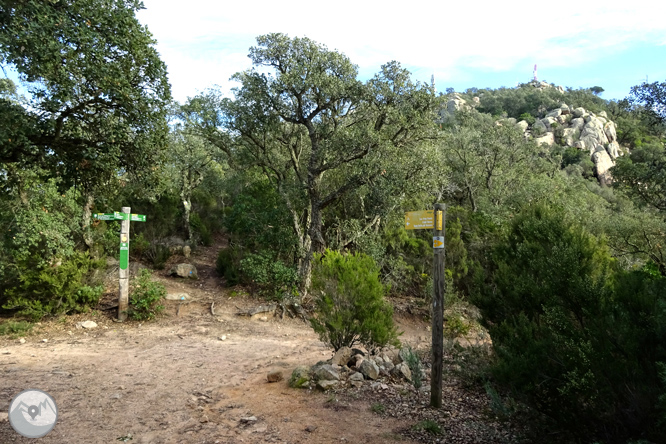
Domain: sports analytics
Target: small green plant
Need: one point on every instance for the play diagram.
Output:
(145, 297)
(14, 329)
(349, 302)
(158, 254)
(529, 118)
(456, 326)
(228, 262)
(429, 426)
(139, 246)
(378, 408)
(496, 404)
(414, 363)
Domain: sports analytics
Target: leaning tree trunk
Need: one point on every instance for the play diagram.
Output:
(187, 209)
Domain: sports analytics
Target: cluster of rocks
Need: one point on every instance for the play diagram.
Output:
(567, 126)
(353, 367)
(578, 128)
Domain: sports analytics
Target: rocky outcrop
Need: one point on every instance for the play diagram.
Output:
(564, 125)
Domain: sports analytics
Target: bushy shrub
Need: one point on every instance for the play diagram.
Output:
(145, 297)
(350, 305)
(54, 289)
(228, 264)
(272, 275)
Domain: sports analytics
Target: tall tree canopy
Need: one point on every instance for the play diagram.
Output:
(98, 89)
(317, 132)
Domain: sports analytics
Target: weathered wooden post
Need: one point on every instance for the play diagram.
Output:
(439, 284)
(123, 298)
(125, 217)
(435, 219)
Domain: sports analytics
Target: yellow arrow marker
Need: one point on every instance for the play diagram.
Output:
(438, 242)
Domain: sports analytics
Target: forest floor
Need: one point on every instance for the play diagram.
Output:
(174, 380)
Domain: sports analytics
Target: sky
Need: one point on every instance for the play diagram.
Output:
(465, 44)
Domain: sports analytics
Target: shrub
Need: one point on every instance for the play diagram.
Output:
(529, 118)
(145, 297)
(429, 426)
(350, 306)
(228, 264)
(15, 328)
(50, 290)
(575, 338)
(272, 275)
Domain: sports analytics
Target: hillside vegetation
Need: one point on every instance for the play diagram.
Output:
(564, 258)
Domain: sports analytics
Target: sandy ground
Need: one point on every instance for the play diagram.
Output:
(175, 381)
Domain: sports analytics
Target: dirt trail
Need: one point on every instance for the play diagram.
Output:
(175, 381)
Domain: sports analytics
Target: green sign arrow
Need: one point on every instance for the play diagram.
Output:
(104, 216)
(121, 216)
(137, 217)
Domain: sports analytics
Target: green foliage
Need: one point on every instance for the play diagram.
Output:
(414, 363)
(272, 275)
(529, 118)
(49, 290)
(228, 265)
(259, 219)
(145, 297)
(429, 426)
(575, 338)
(15, 329)
(378, 408)
(201, 229)
(98, 88)
(349, 302)
(643, 175)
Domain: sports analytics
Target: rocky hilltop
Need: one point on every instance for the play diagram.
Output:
(566, 126)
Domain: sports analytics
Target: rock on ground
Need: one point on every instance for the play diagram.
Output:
(184, 271)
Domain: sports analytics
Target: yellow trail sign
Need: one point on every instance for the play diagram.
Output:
(419, 220)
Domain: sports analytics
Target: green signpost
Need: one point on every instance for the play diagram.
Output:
(125, 217)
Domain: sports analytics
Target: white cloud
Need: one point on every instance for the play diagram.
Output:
(204, 42)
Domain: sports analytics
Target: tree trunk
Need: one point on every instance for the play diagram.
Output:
(87, 216)
(187, 209)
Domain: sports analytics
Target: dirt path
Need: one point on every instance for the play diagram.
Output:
(176, 381)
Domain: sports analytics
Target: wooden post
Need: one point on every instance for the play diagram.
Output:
(123, 298)
(439, 281)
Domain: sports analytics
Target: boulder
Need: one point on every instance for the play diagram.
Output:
(326, 372)
(562, 119)
(300, 377)
(88, 325)
(579, 144)
(184, 271)
(186, 251)
(393, 355)
(554, 113)
(539, 128)
(548, 139)
(602, 164)
(579, 112)
(564, 108)
(327, 384)
(402, 370)
(603, 114)
(356, 377)
(369, 369)
(388, 365)
(609, 130)
(569, 136)
(577, 123)
(523, 125)
(548, 122)
(613, 150)
(342, 356)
